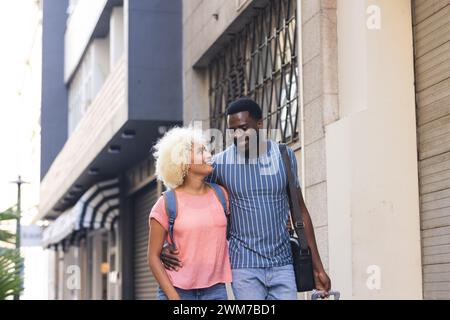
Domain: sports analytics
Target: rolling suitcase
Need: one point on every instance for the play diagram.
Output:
(315, 295)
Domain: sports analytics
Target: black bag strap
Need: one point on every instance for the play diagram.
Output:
(294, 201)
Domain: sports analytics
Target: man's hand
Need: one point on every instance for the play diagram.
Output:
(170, 259)
(323, 282)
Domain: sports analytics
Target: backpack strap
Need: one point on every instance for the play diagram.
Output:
(171, 210)
(223, 200)
(220, 195)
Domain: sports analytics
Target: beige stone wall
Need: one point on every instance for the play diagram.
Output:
(371, 154)
(320, 107)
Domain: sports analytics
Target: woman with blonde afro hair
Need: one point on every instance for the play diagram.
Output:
(199, 232)
(173, 154)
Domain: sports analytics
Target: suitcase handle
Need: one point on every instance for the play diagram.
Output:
(316, 294)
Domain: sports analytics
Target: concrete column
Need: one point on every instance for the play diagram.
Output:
(371, 156)
(319, 107)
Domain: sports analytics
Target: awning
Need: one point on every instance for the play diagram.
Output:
(96, 209)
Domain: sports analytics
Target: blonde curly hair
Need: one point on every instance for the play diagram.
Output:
(173, 154)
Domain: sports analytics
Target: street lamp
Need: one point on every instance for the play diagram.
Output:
(19, 183)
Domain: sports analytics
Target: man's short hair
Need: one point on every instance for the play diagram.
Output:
(245, 104)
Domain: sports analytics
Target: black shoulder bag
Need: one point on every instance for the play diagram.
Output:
(301, 254)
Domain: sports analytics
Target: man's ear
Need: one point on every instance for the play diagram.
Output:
(260, 123)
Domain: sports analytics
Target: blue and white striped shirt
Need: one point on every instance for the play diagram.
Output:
(258, 204)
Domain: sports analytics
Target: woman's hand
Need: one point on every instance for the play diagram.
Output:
(157, 234)
(175, 296)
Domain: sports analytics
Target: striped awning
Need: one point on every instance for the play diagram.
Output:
(96, 209)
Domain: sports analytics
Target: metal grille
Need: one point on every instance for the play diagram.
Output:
(260, 62)
(145, 284)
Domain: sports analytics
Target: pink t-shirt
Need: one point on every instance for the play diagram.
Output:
(200, 236)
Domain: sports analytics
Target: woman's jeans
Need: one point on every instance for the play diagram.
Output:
(215, 292)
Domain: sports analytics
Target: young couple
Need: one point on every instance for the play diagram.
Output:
(257, 259)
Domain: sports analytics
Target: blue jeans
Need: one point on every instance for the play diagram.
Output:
(274, 283)
(215, 292)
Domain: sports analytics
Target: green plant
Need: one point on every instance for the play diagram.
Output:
(10, 260)
(6, 236)
(10, 279)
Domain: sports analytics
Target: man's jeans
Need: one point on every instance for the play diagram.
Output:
(276, 283)
(215, 292)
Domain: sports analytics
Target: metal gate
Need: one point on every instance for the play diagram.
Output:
(145, 284)
(432, 71)
(260, 61)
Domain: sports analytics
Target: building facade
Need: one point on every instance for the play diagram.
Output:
(111, 86)
(359, 89)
